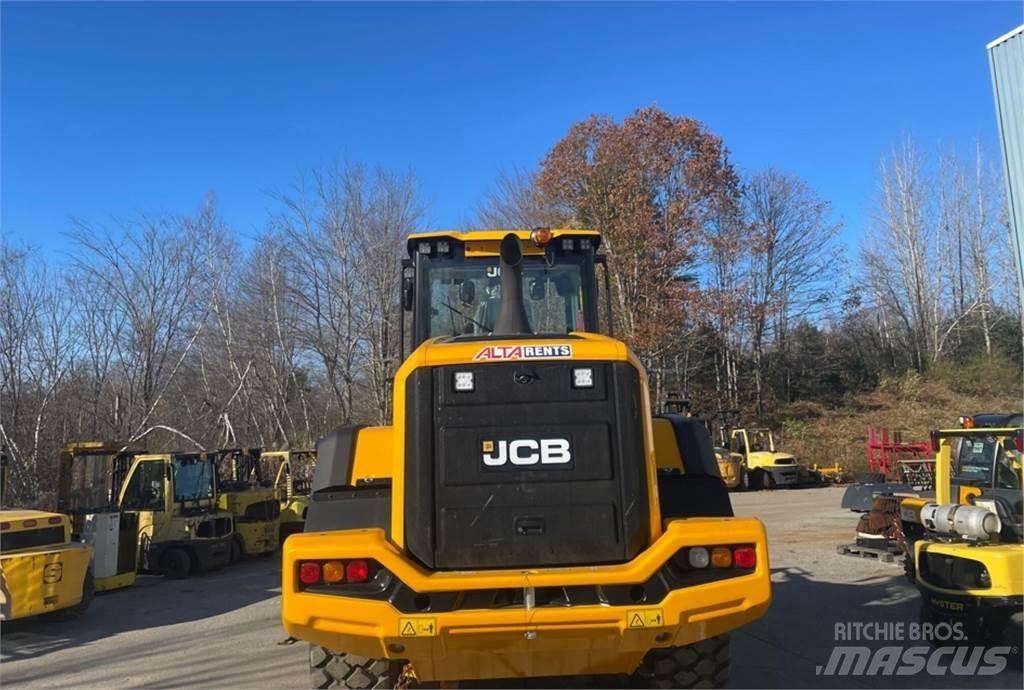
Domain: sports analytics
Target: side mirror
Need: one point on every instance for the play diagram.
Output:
(467, 291)
(538, 289)
(407, 292)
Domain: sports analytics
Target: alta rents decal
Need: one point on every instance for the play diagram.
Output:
(527, 451)
(500, 352)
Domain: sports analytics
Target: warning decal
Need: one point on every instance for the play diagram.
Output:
(417, 627)
(645, 618)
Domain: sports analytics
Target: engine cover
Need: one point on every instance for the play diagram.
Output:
(525, 470)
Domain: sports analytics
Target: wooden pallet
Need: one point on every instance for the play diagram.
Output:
(883, 555)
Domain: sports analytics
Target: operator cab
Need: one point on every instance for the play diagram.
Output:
(452, 283)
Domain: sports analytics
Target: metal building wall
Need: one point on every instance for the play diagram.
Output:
(1006, 62)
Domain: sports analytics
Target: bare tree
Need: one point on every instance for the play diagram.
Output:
(394, 210)
(151, 275)
(794, 261)
(37, 356)
(517, 202)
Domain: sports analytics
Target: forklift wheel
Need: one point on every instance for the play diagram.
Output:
(176, 564)
(236, 552)
(744, 480)
(703, 664)
(767, 480)
(329, 669)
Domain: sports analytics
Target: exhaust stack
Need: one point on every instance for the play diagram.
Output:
(512, 319)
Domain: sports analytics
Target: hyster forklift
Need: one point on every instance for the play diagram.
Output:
(766, 468)
(86, 492)
(165, 503)
(292, 472)
(42, 570)
(242, 492)
(968, 542)
(524, 515)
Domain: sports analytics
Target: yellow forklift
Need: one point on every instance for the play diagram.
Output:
(166, 504)
(766, 467)
(290, 473)
(968, 541)
(42, 570)
(525, 515)
(254, 505)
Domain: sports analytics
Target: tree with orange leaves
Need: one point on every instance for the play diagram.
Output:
(652, 184)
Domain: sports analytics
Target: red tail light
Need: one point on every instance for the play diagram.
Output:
(357, 571)
(28, 523)
(744, 557)
(55, 520)
(1018, 442)
(5, 525)
(309, 573)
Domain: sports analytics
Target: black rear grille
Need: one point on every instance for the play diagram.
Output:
(28, 539)
(262, 511)
(576, 491)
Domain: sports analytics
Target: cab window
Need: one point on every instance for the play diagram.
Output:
(145, 490)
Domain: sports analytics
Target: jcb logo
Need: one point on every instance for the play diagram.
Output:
(525, 452)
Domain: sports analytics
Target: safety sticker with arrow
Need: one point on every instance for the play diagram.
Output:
(645, 618)
(417, 627)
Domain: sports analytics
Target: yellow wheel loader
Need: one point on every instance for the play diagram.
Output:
(968, 541)
(292, 472)
(42, 570)
(242, 492)
(525, 515)
(167, 519)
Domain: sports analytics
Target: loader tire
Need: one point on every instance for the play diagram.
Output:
(703, 664)
(329, 669)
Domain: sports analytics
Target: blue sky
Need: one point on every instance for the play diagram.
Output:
(114, 109)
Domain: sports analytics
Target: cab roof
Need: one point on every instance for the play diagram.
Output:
(495, 235)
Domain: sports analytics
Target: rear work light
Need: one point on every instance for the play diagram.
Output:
(583, 377)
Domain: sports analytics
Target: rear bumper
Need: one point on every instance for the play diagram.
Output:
(789, 475)
(515, 641)
(258, 537)
(36, 582)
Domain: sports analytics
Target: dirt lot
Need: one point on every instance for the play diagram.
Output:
(223, 631)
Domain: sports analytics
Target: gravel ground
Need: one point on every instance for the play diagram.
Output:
(223, 630)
